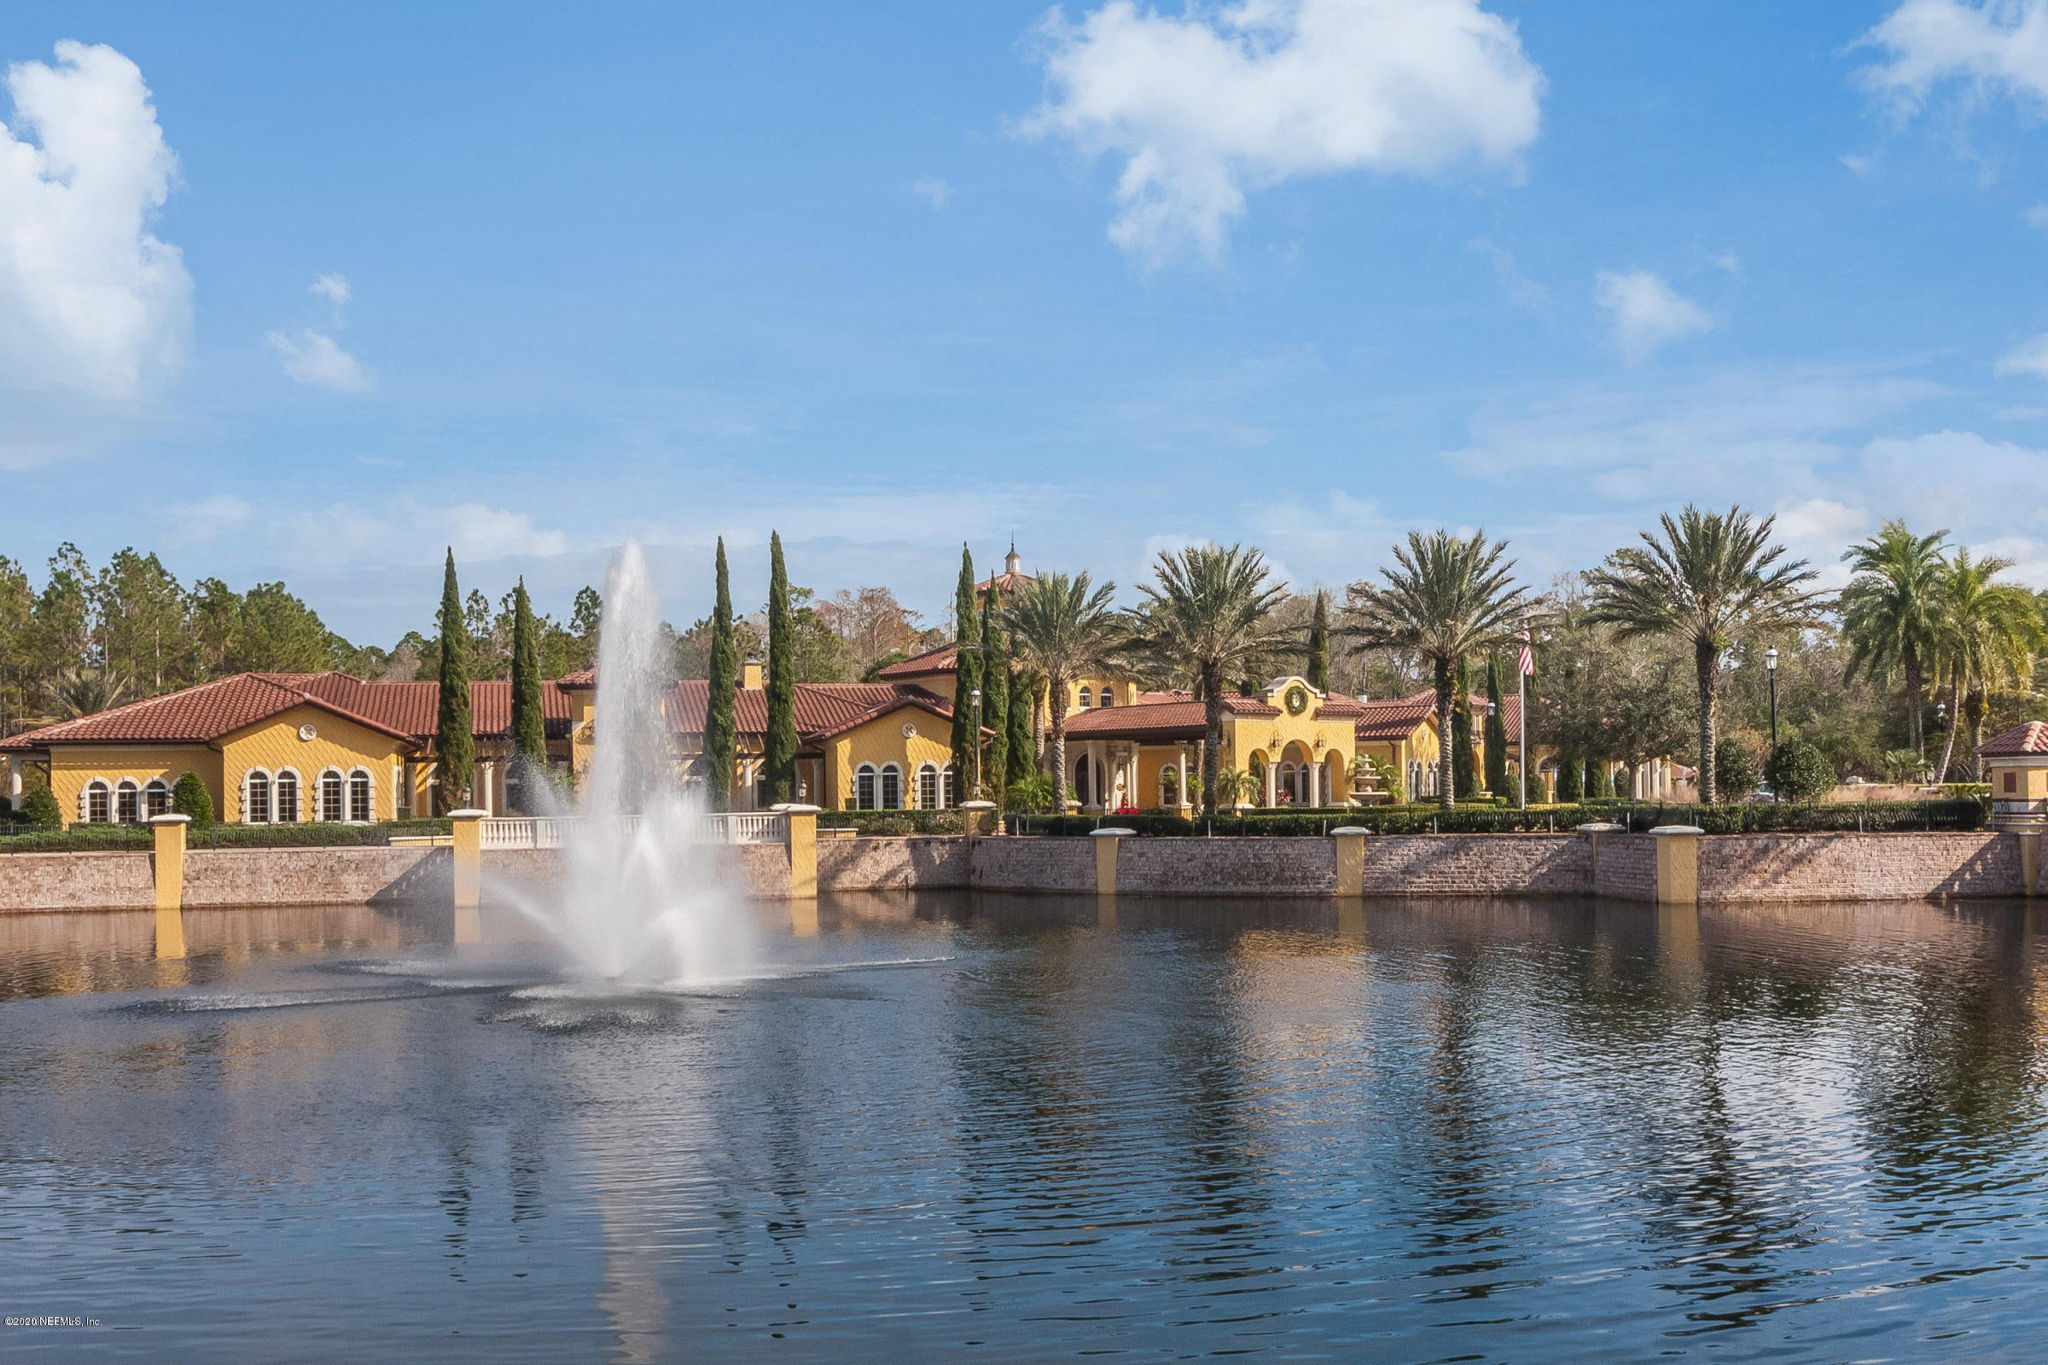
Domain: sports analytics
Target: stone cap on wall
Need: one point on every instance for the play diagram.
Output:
(1678, 829)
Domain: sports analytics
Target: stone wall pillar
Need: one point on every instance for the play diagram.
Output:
(1678, 864)
(469, 857)
(1350, 859)
(974, 819)
(801, 827)
(1593, 833)
(1106, 843)
(168, 866)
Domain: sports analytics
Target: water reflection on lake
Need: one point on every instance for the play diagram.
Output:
(1011, 1128)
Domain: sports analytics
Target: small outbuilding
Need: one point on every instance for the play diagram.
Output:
(2018, 761)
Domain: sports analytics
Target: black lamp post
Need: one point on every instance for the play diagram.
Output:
(1771, 671)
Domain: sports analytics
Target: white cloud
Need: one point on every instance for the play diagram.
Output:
(94, 309)
(1207, 107)
(2029, 357)
(198, 522)
(1997, 47)
(933, 191)
(315, 358)
(1521, 290)
(333, 288)
(2037, 217)
(480, 532)
(1646, 312)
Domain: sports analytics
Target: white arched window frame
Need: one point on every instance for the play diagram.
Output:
(864, 787)
(892, 787)
(362, 797)
(256, 795)
(96, 802)
(949, 787)
(156, 798)
(1086, 695)
(128, 802)
(1105, 698)
(1169, 785)
(930, 790)
(284, 797)
(333, 798)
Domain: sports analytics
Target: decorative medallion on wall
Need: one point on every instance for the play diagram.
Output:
(308, 732)
(1297, 700)
(910, 729)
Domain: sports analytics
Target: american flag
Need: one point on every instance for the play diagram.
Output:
(1527, 662)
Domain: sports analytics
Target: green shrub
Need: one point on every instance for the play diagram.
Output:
(190, 797)
(1799, 772)
(1735, 771)
(1598, 786)
(1424, 818)
(39, 809)
(1570, 781)
(1031, 793)
(894, 823)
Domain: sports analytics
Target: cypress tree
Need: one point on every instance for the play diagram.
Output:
(1496, 732)
(778, 749)
(1461, 730)
(721, 726)
(454, 738)
(1597, 786)
(1570, 787)
(1023, 746)
(1319, 644)
(188, 797)
(995, 697)
(966, 679)
(529, 714)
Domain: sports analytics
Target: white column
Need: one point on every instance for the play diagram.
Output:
(14, 782)
(1272, 782)
(483, 795)
(1180, 793)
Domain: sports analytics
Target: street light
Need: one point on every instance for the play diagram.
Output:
(1771, 671)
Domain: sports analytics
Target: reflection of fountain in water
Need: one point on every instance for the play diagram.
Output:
(645, 895)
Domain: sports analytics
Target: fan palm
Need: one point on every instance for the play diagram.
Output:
(1712, 576)
(1985, 636)
(83, 690)
(1062, 628)
(1890, 610)
(1209, 613)
(1445, 598)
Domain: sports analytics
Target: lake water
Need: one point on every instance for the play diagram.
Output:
(1024, 1129)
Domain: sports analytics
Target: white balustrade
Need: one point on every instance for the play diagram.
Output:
(744, 827)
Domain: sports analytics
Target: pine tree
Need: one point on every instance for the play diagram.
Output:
(454, 738)
(529, 713)
(1319, 644)
(1461, 728)
(720, 724)
(1496, 732)
(778, 749)
(995, 697)
(966, 735)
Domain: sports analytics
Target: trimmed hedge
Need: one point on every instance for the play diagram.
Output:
(1747, 818)
(894, 823)
(140, 838)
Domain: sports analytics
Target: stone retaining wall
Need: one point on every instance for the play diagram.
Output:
(1477, 865)
(927, 862)
(217, 877)
(1802, 867)
(77, 881)
(1037, 864)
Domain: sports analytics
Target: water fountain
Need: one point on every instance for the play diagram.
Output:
(647, 897)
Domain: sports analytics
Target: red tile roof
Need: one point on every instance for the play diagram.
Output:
(822, 709)
(2028, 737)
(1396, 719)
(213, 710)
(944, 659)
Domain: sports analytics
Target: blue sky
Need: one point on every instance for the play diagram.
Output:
(1306, 273)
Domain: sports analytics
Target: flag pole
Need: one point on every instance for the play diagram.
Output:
(1522, 723)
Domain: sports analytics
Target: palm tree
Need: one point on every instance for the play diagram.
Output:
(1985, 636)
(1712, 576)
(1209, 613)
(1062, 628)
(1890, 610)
(85, 690)
(1444, 599)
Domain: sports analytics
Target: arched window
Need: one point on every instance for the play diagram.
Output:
(864, 787)
(359, 803)
(949, 787)
(284, 796)
(156, 798)
(1107, 698)
(96, 802)
(333, 810)
(1085, 695)
(128, 802)
(930, 795)
(1082, 792)
(892, 787)
(256, 797)
(1169, 785)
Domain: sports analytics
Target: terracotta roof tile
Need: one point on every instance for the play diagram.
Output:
(944, 659)
(822, 709)
(2028, 737)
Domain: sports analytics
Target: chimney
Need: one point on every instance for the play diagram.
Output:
(750, 674)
